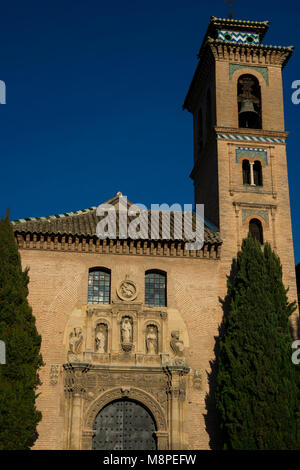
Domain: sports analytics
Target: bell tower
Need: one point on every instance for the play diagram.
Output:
(240, 167)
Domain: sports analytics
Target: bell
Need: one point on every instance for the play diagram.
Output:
(247, 107)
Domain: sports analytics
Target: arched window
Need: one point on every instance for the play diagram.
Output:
(257, 173)
(256, 230)
(156, 288)
(199, 130)
(246, 172)
(249, 102)
(99, 286)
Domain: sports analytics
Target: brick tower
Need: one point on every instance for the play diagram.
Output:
(240, 167)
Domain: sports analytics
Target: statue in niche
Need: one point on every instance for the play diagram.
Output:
(151, 339)
(75, 340)
(126, 330)
(101, 338)
(176, 344)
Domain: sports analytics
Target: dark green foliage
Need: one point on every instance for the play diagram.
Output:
(18, 377)
(257, 394)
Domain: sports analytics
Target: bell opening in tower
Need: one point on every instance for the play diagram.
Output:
(249, 102)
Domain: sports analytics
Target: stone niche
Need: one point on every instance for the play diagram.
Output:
(124, 333)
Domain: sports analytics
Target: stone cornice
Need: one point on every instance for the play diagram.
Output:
(256, 205)
(75, 244)
(252, 54)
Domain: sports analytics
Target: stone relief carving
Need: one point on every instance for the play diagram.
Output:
(75, 380)
(197, 380)
(125, 391)
(75, 342)
(101, 337)
(156, 385)
(126, 333)
(127, 290)
(151, 339)
(176, 344)
(54, 371)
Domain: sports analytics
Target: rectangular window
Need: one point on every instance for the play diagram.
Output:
(99, 287)
(155, 289)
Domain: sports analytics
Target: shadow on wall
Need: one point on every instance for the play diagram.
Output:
(211, 418)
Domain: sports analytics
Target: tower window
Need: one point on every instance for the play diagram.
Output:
(99, 286)
(257, 173)
(249, 102)
(256, 230)
(156, 288)
(252, 173)
(246, 172)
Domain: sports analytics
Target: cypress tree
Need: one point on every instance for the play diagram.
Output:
(19, 376)
(257, 392)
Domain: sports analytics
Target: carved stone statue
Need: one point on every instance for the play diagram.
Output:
(101, 338)
(151, 339)
(75, 340)
(176, 344)
(126, 334)
(126, 330)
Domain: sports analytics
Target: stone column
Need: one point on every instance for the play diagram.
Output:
(177, 392)
(115, 333)
(75, 389)
(76, 421)
(162, 440)
(163, 316)
(252, 174)
(89, 336)
(175, 414)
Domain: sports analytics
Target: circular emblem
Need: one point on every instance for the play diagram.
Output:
(127, 290)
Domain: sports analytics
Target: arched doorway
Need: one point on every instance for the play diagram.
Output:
(124, 425)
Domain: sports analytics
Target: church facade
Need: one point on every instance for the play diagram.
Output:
(129, 326)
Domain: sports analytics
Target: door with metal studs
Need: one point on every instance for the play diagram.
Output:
(124, 425)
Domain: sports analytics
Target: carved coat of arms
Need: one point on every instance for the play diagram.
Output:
(127, 290)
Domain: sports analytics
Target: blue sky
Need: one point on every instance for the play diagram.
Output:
(94, 100)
